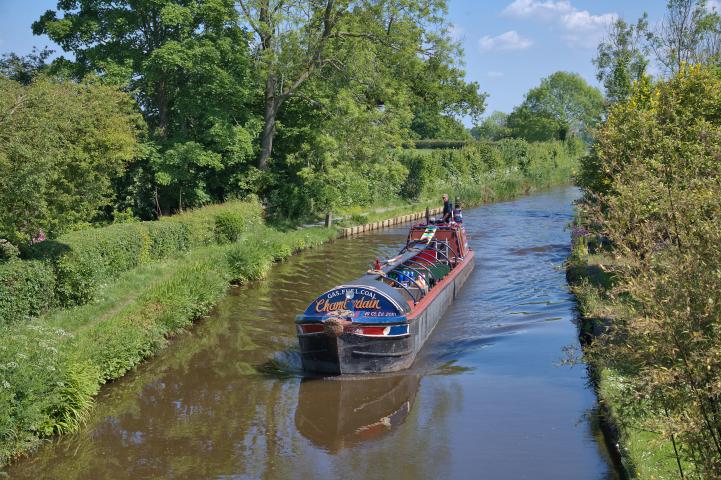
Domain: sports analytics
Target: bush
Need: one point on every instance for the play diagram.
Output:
(652, 187)
(83, 261)
(540, 164)
(228, 227)
(26, 290)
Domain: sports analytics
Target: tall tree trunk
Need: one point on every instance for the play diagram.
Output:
(269, 115)
(162, 101)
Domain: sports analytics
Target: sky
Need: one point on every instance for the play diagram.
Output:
(509, 45)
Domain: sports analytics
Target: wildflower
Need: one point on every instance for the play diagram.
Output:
(6, 384)
(40, 237)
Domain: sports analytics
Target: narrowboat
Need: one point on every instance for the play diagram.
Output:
(379, 322)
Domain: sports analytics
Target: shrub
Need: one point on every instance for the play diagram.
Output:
(83, 261)
(201, 223)
(514, 152)
(26, 290)
(228, 227)
(652, 187)
(471, 168)
(438, 144)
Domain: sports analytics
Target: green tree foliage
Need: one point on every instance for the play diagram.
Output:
(494, 127)
(385, 55)
(441, 97)
(621, 58)
(187, 63)
(562, 105)
(689, 33)
(24, 69)
(61, 146)
(349, 96)
(334, 82)
(653, 188)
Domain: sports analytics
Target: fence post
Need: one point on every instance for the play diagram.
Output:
(328, 220)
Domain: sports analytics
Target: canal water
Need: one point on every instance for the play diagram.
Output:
(488, 398)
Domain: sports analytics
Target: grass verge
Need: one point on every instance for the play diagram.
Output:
(644, 454)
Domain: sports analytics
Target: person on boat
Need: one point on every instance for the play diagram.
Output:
(447, 209)
(457, 213)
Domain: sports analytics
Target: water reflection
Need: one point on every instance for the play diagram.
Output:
(340, 413)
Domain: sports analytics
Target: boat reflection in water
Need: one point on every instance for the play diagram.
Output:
(339, 413)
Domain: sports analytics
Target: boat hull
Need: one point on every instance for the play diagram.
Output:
(349, 353)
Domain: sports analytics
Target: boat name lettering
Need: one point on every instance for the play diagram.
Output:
(341, 292)
(324, 305)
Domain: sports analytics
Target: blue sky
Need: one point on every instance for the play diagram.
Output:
(509, 44)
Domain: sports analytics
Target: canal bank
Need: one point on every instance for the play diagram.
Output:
(640, 452)
(228, 398)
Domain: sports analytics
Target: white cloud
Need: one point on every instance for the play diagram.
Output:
(493, 74)
(534, 8)
(713, 6)
(578, 27)
(510, 40)
(585, 29)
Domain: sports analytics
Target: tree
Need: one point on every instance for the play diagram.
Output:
(621, 58)
(442, 97)
(24, 69)
(689, 33)
(61, 146)
(301, 40)
(188, 65)
(564, 104)
(494, 127)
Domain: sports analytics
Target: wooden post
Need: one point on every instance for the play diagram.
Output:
(428, 215)
(328, 220)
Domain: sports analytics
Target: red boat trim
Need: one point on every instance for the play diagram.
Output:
(428, 299)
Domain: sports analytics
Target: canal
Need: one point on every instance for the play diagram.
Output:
(489, 397)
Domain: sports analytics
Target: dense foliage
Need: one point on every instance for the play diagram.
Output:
(493, 127)
(653, 192)
(563, 105)
(70, 270)
(276, 98)
(61, 147)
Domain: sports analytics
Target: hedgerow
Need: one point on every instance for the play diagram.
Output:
(478, 164)
(26, 289)
(70, 270)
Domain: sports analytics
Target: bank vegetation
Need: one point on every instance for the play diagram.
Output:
(647, 268)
